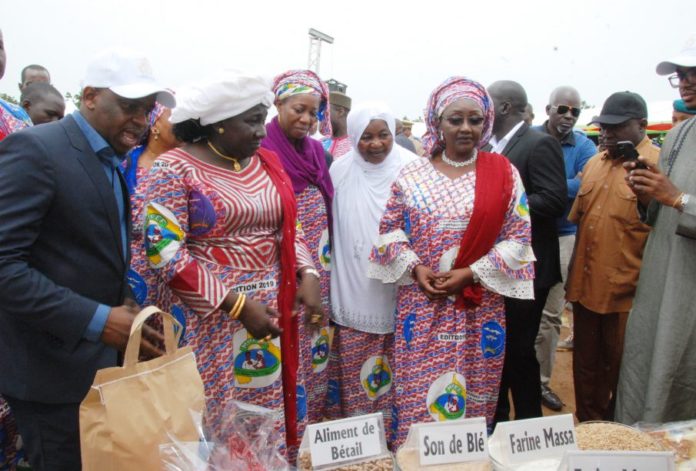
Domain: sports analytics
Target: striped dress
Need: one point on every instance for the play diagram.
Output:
(447, 362)
(311, 213)
(208, 231)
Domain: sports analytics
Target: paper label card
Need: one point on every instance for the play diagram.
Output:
(533, 439)
(620, 461)
(347, 440)
(456, 441)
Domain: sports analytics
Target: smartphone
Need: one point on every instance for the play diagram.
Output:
(627, 150)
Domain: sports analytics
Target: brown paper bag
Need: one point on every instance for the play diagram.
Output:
(130, 411)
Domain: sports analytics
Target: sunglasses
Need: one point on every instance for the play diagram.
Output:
(563, 109)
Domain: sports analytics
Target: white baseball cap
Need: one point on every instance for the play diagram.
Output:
(127, 74)
(686, 58)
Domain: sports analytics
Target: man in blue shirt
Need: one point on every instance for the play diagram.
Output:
(563, 111)
(64, 253)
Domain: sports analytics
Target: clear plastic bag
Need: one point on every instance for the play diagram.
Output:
(679, 437)
(243, 438)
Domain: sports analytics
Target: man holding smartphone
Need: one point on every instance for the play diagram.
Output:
(606, 260)
(658, 374)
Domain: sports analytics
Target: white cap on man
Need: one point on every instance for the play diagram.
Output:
(127, 74)
(685, 58)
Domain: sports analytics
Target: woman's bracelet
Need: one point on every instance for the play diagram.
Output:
(238, 306)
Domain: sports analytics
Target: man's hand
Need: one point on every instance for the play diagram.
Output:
(650, 183)
(117, 331)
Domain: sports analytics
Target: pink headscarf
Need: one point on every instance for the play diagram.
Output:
(447, 93)
(296, 82)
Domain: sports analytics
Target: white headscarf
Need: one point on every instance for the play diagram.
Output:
(362, 190)
(214, 100)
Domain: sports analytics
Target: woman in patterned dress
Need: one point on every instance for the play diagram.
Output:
(456, 237)
(159, 139)
(362, 309)
(301, 99)
(220, 223)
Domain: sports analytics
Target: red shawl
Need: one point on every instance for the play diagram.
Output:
(286, 294)
(491, 201)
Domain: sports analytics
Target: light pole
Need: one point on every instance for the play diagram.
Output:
(315, 40)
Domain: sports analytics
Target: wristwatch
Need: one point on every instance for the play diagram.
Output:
(311, 271)
(684, 200)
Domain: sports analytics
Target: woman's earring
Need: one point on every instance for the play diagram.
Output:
(221, 130)
(155, 133)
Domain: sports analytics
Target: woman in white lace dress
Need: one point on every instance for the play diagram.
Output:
(456, 236)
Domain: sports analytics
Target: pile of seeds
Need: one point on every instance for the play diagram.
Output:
(408, 460)
(304, 463)
(611, 436)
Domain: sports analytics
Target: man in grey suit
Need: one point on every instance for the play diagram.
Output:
(64, 253)
(539, 159)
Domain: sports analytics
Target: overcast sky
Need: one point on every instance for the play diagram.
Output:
(384, 50)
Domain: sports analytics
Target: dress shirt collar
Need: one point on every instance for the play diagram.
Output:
(498, 146)
(95, 140)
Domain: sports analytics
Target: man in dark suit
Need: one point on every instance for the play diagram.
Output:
(64, 223)
(539, 159)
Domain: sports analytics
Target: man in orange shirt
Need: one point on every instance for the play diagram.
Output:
(606, 261)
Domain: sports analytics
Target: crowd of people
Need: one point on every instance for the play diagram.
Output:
(365, 271)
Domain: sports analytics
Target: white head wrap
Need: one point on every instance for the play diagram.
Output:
(362, 188)
(360, 117)
(215, 100)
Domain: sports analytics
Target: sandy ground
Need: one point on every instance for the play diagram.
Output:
(562, 379)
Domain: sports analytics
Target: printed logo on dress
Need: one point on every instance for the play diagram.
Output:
(202, 215)
(409, 325)
(163, 235)
(407, 223)
(320, 349)
(254, 286)
(256, 362)
(301, 399)
(458, 225)
(457, 337)
(179, 315)
(447, 397)
(334, 395)
(376, 377)
(138, 285)
(522, 208)
(492, 339)
(325, 250)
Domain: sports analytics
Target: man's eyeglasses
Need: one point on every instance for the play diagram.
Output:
(563, 109)
(689, 75)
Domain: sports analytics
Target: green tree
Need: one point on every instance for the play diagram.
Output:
(76, 98)
(9, 98)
